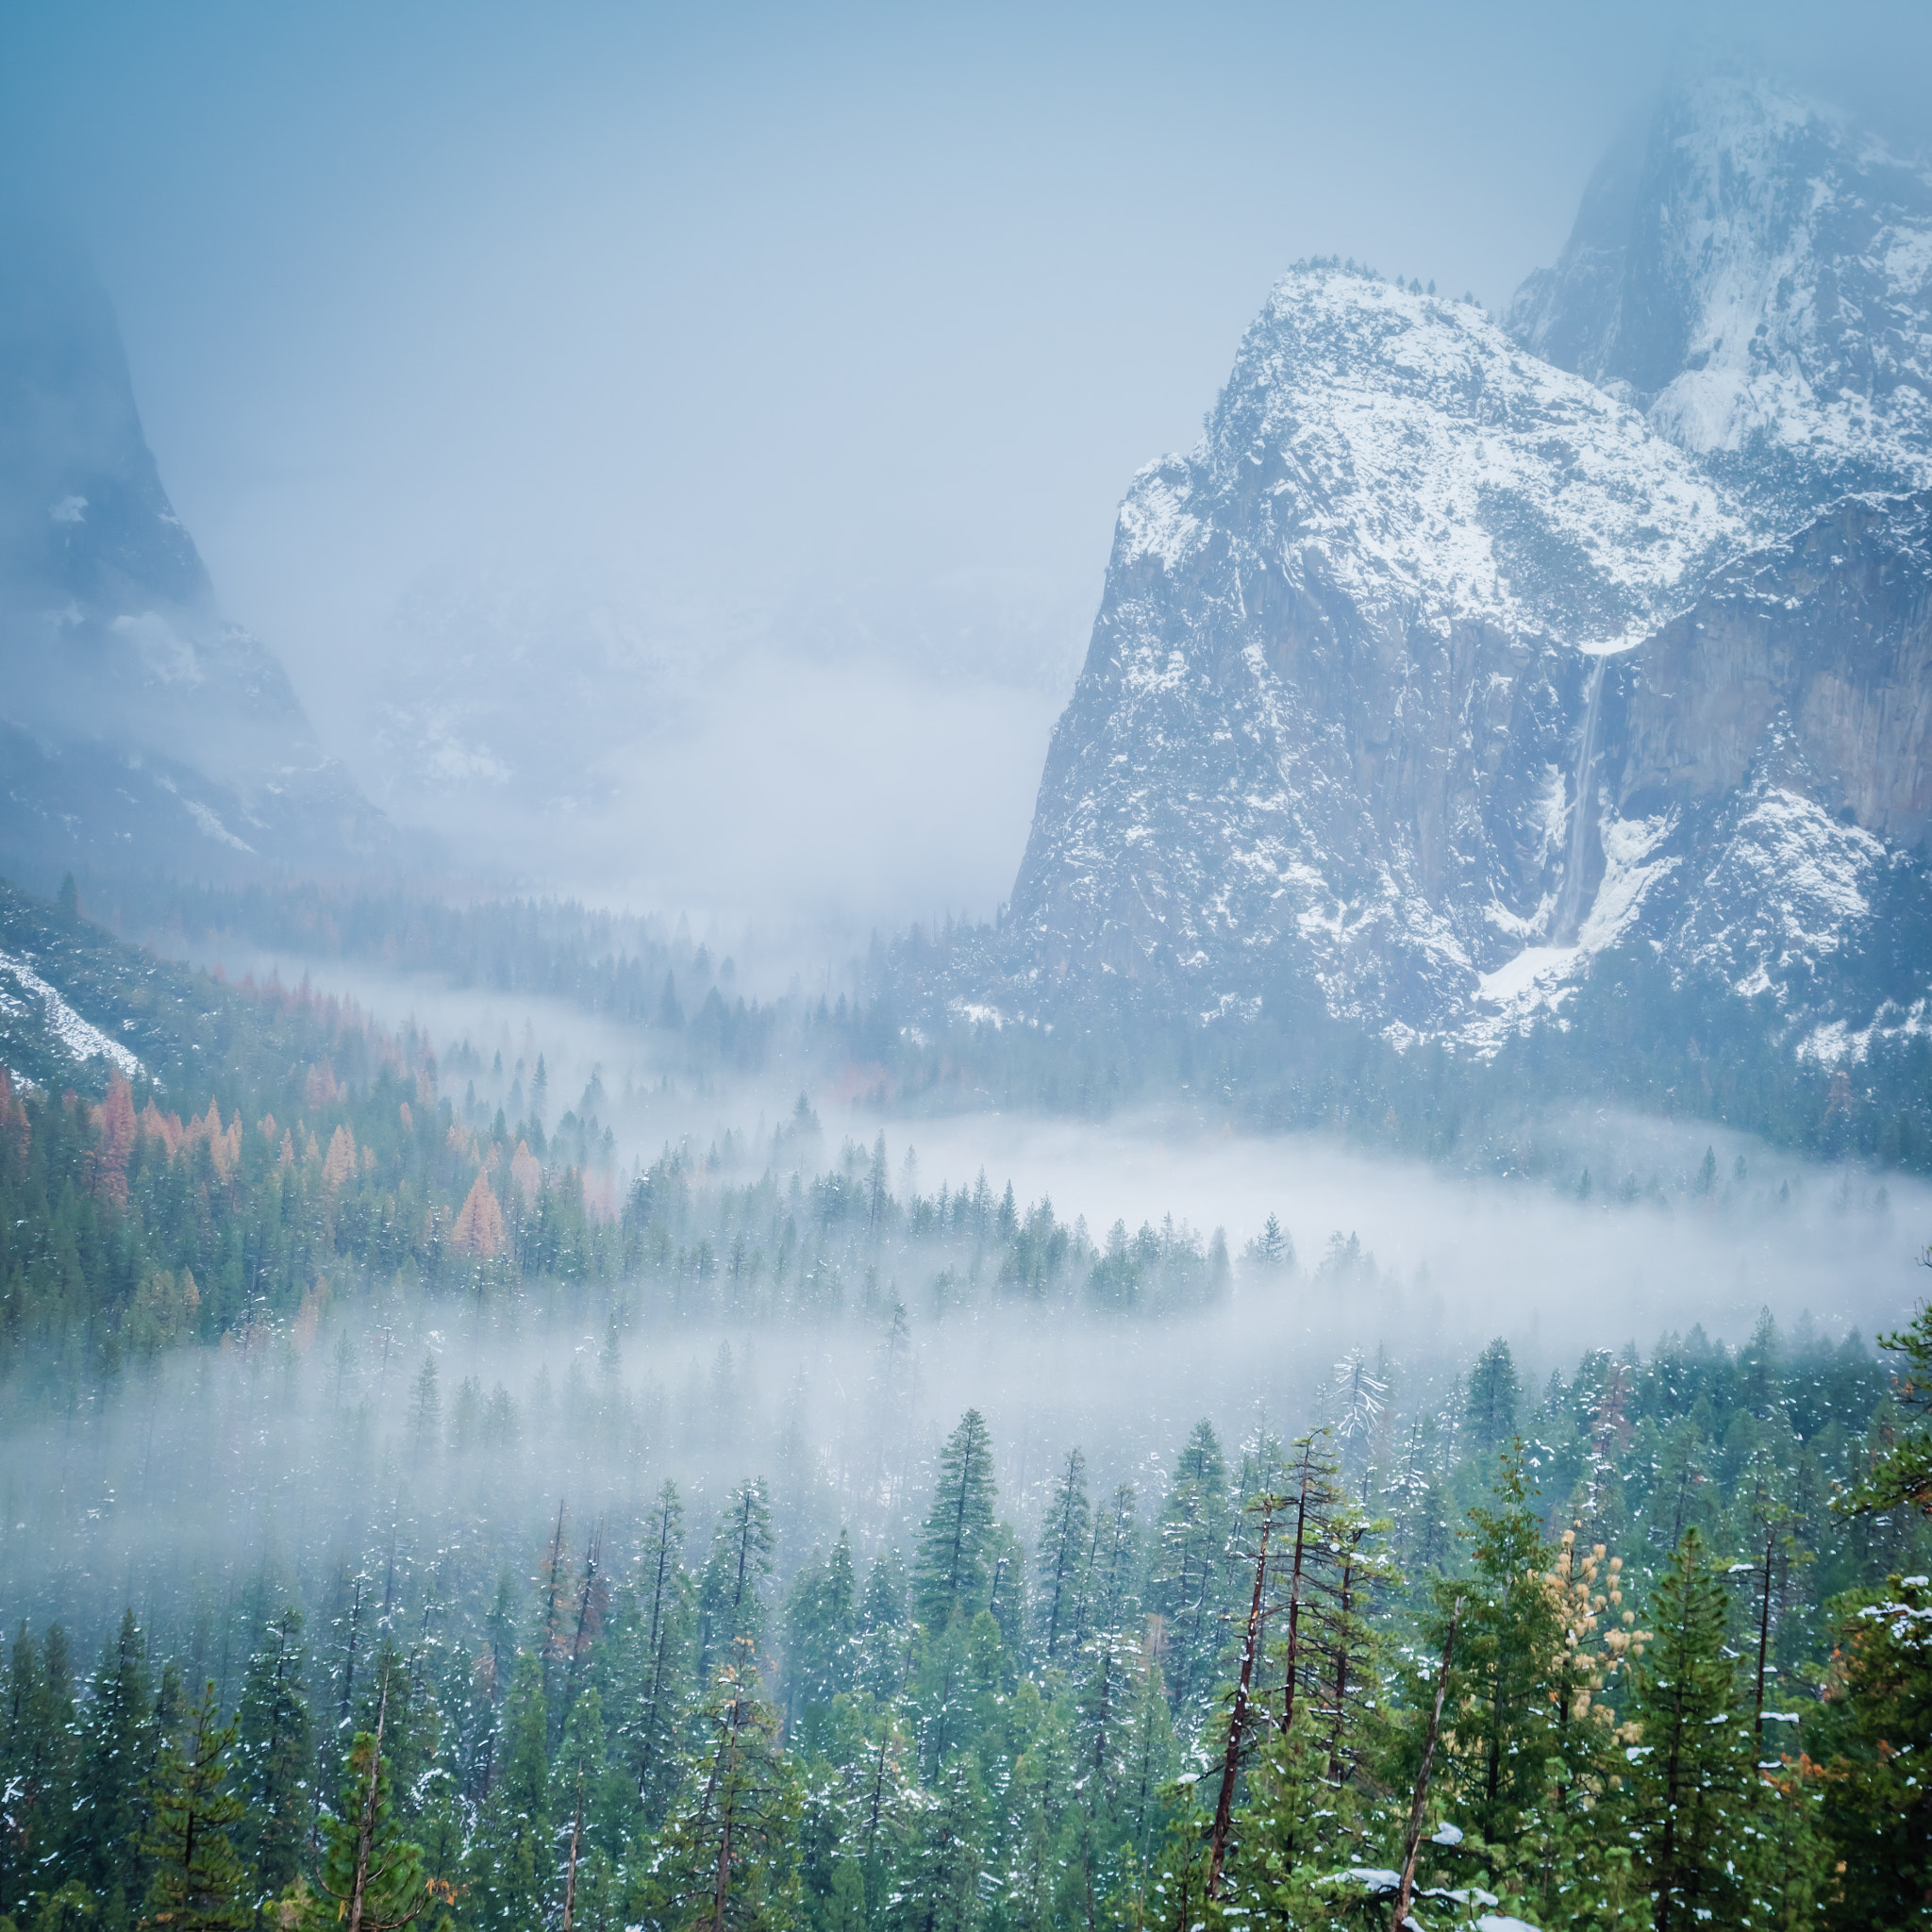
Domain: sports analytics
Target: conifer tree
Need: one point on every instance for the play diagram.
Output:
(1491, 1398)
(116, 1761)
(950, 1576)
(727, 1860)
(1062, 1557)
(36, 1763)
(937, 1888)
(276, 1753)
(509, 1870)
(664, 1635)
(1872, 1794)
(731, 1599)
(198, 1883)
(1188, 1568)
(1500, 1736)
(1693, 1783)
(821, 1622)
(372, 1877)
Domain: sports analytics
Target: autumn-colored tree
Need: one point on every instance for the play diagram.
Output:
(478, 1228)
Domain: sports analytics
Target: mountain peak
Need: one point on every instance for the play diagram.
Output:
(1753, 271)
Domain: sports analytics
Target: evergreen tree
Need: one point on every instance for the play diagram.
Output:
(36, 1765)
(275, 1754)
(938, 1879)
(1873, 1797)
(1497, 1751)
(372, 1877)
(198, 1883)
(1188, 1568)
(1901, 1475)
(1062, 1556)
(731, 1599)
(728, 1857)
(821, 1622)
(662, 1648)
(951, 1575)
(510, 1879)
(1491, 1398)
(117, 1757)
(1694, 1793)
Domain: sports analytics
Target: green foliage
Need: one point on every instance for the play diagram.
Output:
(1866, 1744)
(951, 1576)
(199, 1884)
(370, 1874)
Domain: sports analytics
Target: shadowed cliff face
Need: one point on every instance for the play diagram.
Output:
(137, 726)
(1824, 640)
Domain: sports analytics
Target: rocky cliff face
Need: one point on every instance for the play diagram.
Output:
(1332, 714)
(1438, 667)
(1768, 754)
(137, 726)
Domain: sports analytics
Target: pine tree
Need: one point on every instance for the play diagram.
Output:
(1501, 1737)
(664, 1635)
(820, 1620)
(198, 1884)
(938, 1879)
(1872, 1794)
(728, 1857)
(276, 1753)
(1901, 1475)
(117, 1751)
(950, 1576)
(1693, 1784)
(372, 1877)
(36, 1764)
(731, 1600)
(1188, 1569)
(1062, 1557)
(1491, 1399)
(508, 1869)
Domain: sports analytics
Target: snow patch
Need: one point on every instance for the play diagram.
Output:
(82, 1040)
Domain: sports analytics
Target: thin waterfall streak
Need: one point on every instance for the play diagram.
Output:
(1570, 908)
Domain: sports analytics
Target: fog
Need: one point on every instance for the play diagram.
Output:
(812, 349)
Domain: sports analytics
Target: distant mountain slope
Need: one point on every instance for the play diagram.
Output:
(1756, 275)
(137, 726)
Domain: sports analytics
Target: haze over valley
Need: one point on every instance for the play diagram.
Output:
(752, 1180)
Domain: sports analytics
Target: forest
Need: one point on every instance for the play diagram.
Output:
(413, 1514)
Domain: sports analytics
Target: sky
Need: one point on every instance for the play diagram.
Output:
(799, 336)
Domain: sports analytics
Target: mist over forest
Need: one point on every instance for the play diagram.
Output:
(786, 1145)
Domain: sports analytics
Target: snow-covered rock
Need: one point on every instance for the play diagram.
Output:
(1437, 668)
(1328, 735)
(1756, 273)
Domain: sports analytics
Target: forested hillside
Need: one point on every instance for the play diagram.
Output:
(360, 1534)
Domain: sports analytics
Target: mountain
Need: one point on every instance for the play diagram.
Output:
(1457, 653)
(1326, 733)
(138, 728)
(1755, 272)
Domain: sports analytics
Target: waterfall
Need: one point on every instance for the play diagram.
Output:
(1569, 906)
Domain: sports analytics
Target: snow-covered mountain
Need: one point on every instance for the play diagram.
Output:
(1456, 653)
(1755, 272)
(137, 726)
